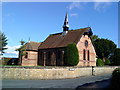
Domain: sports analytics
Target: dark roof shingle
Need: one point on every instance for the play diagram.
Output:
(59, 40)
(31, 45)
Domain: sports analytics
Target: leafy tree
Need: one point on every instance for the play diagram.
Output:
(71, 55)
(94, 37)
(22, 42)
(21, 50)
(116, 57)
(107, 62)
(104, 48)
(3, 42)
(99, 62)
(115, 80)
(22, 53)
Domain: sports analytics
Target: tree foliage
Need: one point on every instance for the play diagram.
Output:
(107, 62)
(104, 48)
(22, 51)
(94, 37)
(115, 80)
(71, 55)
(99, 62)
(116, 57)
(22, 42)
(3, 42)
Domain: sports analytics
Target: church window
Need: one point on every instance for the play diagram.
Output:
(86, 43)
(84, 55)
(88, 55)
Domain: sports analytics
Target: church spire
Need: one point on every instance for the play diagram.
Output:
(66, 26)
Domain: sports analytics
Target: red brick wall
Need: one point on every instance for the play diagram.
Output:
(92, 54)
(31, 60)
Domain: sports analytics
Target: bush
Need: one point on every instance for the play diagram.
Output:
(71, 57)
(100, 62)
(107, 62)
(115, 81)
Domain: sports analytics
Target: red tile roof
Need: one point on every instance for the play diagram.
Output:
(59, 40)
(31, 45)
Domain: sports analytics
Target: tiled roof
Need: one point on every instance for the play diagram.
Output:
(31, 45)
(59, 40)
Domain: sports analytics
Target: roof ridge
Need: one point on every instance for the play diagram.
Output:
(69, 30)
(33, 42)
(79, 29)
(56, 34)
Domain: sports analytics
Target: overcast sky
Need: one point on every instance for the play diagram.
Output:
(37, 20)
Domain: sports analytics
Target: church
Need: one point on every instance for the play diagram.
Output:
(51, 51)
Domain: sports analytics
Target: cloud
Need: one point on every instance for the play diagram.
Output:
(104, 0)
(75, 5)
(73, 14)
(98, 6)
(10, 52)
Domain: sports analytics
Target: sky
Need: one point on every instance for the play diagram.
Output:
(36, 20)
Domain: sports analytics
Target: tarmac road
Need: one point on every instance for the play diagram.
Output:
(63, 83)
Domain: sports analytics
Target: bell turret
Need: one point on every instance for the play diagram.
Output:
(66, 26)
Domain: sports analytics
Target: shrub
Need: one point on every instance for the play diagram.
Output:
(100, 62)
(107, 62)
(115, 81)
(71, 57)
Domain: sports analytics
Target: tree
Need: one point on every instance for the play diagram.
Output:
(3, 42)
(115, 80)
(116, 57)
(104, 48)
(99, 62)
(94, 37)
(107, 62)
(71, 55)
(22, 42)
(21, 50)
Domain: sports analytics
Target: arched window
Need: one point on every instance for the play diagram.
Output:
(88, 55)
(26, 55)
(86, 43)
(84, 55)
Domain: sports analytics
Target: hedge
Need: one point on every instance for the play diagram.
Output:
(71, 57)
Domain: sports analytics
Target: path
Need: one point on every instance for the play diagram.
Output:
(64, 83)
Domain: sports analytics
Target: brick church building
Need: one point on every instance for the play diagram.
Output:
(51, 51)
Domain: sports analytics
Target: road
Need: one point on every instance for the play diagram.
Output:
(63, 83)
(96, 85)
